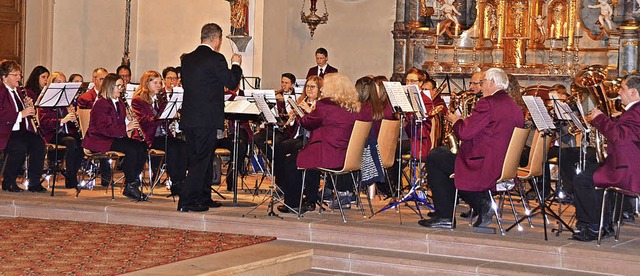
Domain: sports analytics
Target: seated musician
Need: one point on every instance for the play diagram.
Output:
(108, 132)
(37, 81)
(419, 132)
(287, 83)
(484, 136)
(330, 124)
(170, 77)
(64, 121)
(76, 78)
(17, 135)
(619, 168)
(147, 105)
(287, 151)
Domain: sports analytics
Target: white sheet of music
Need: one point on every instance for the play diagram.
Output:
(262, 105)
(269, 95)
(539, 113)
(397, 97)
(416, 99)
(560, 108)
(53, 96)
(174, 104)
(131, 88)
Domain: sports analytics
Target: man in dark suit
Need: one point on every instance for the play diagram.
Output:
(87, 99)
(484, 138)
(205, 73)
(322, 56)
(620, 168)
(17, 136)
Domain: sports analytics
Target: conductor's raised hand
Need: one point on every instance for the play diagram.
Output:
(236, 58)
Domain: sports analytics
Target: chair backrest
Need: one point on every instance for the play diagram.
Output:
(514, 151)
(83, 120)
(388, 141)
(355, 148)
(536, 154)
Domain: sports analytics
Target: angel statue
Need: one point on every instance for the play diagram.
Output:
(450, 11)
(606, 13)
(541, 28)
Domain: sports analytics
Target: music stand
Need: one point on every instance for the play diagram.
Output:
(58, 95)
(545, 126)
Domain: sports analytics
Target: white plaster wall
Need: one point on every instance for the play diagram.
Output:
(38, 34)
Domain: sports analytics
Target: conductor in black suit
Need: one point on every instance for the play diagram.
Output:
(205, 73)
(322, 57)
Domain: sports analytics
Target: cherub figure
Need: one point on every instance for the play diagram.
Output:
(606, 13)
(450, 11)
(542, 29)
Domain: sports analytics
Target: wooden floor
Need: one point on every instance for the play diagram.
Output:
(321, 244)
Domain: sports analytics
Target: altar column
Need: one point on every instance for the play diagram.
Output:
(628, 47)
(400, 39)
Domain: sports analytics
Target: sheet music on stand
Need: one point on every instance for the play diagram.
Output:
(262, 105)
(416, 100)
(573, 118)
(559, 108)
(53, 96)
(173, 105)
(269, 95)
(131, 88)
(539, 113)
(397, 96)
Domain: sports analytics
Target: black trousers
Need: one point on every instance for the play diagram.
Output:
(227, 143)
(20, 145)
(72, 156)
(175, 156)
(260, 139)
(440, 165)
(135, 156)
(201, 143)
(289, 178)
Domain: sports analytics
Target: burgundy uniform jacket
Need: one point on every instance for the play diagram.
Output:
(48, 122)
(8, 115)
(313, 71)
(144, 114)
(484, 140)
(86, 100)
(620, 169)
(105, 125)
(330, 127)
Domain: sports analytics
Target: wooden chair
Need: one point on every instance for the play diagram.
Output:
(616, 206)
(112, 156)
(506, 182)
(388, 144)
(533, 170)
(352, 164)
(51, 149)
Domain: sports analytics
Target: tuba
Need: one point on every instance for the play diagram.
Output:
(590, 89)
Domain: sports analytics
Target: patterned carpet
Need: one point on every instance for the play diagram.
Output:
(55, 247)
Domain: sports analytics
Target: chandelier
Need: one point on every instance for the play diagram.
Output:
(313, 20)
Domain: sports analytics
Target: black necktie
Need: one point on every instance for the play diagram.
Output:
(16, 98)
(321, 73)
(155, 107)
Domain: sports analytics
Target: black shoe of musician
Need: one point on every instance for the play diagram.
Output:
(213, 204)
(37, 189)
(285, 209)
(628, 217)
(468, 213)
(585, 235)
(193, 208)
(436, 222)
(132, 191)
(176, 188)
(13, 188)
(487, 215)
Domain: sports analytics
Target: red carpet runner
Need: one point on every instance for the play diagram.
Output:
(47, 247)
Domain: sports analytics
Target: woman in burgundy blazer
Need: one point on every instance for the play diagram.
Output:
(147, 105)
(108, 131)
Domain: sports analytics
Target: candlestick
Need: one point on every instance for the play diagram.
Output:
(456, 30)
(438, 29)
(577, 28)
(564, 29)
(552, 34)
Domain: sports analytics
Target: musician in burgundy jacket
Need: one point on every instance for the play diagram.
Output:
(88, 98)
(620, 168)
(108, 132)
(484, 137)
(148, 104)
(322, 68)
(68, 135)
(17, 136)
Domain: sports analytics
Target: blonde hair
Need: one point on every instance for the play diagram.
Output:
(341, 91)
(143, 91)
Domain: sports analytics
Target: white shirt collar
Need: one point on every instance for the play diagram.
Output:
(324, 68)
(630, 105)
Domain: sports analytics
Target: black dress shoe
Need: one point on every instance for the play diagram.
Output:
(284, 209)
(13, 189)
(628, 217)
(487, 215)
(193, 208)
(213, 204)
(436, 222)
(468, 213)
(132, 191)
(37, 189)
(585, 235)
(309, 206)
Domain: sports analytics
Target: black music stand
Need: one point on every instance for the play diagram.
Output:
(545, 125)
(58, 95)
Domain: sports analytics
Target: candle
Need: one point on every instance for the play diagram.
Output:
(578, 28)
(438, 29)
(475, 30)
(456, 30)
(564, 29)
(552, 34)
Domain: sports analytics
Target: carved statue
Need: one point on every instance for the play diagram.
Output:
(239, 17)
(450, 11)
(606, 13)
(541, 29)
(518, 8)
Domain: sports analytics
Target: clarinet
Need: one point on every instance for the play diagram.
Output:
(130, 113)
(32, 119)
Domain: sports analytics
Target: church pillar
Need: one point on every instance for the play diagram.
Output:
(413, 21)
(482, 4)
(628, 47)
(400, 39)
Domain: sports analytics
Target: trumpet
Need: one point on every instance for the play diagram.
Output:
(32, 119)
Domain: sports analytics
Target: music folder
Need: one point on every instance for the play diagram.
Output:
(58, 94)
(397, 97)
(416, 100)
(539, 113)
